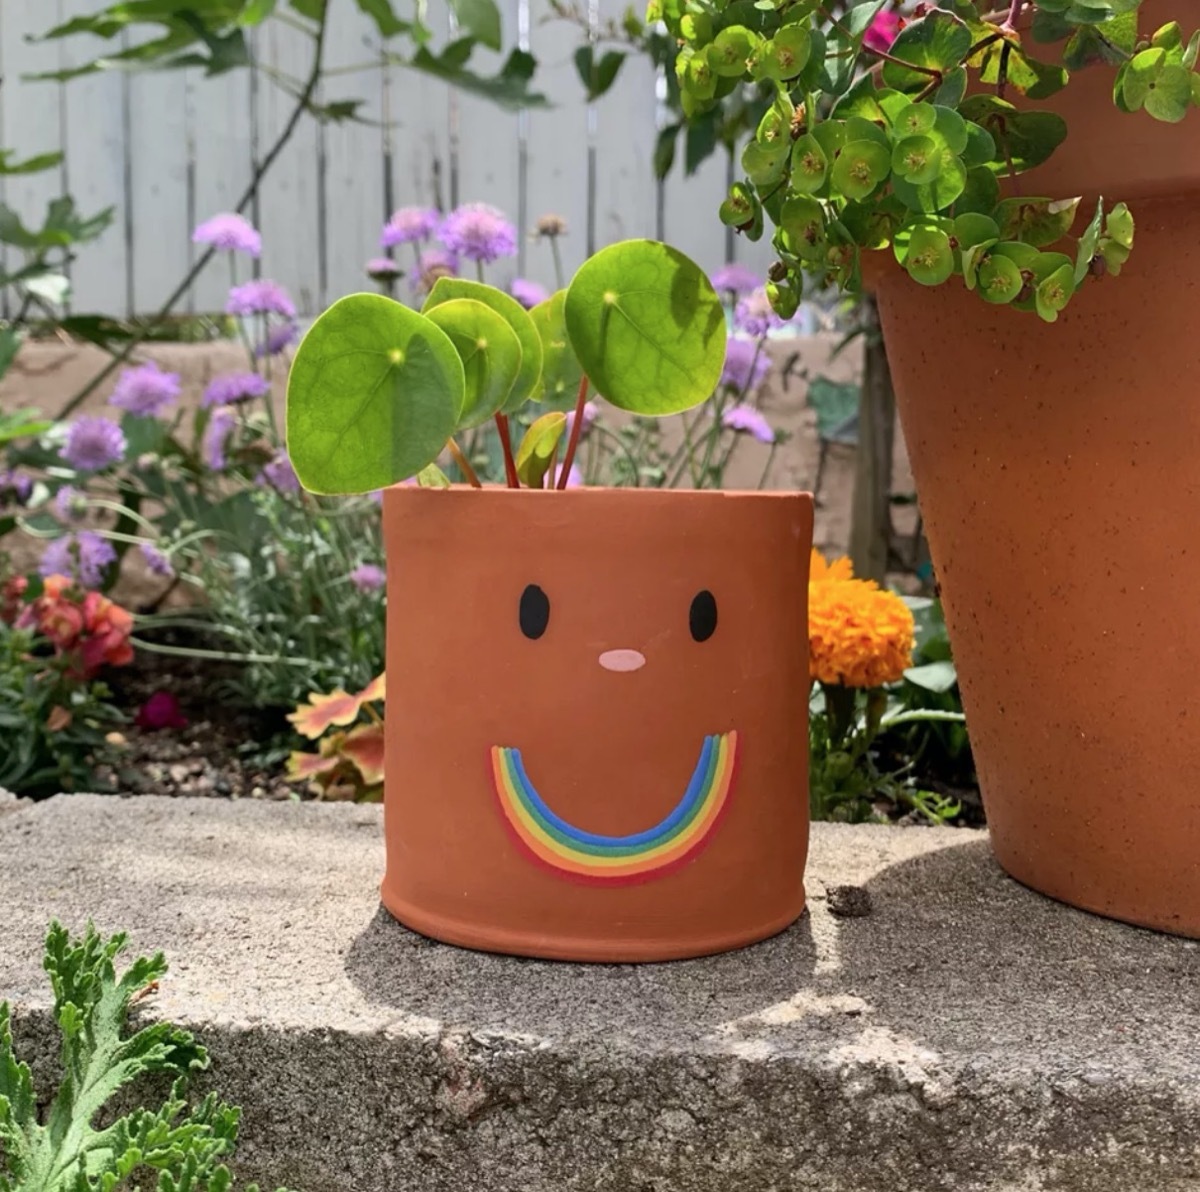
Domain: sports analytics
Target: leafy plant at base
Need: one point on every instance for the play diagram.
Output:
(182, 1148)
(377, 392)
(349, 761)
(910, 155)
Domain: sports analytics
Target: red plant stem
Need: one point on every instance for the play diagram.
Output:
(464, 464)
(510, 463)
(1014, 12)
(576, 427)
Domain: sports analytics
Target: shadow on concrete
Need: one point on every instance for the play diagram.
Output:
(959, 957)
(672, 1003)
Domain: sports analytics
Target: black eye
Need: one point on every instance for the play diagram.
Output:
(535, 612)
(702, 619)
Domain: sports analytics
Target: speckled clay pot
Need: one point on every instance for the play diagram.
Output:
(1059, 473)
(597, 700)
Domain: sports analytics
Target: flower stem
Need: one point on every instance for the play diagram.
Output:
(576, 428)
(463, 464)
(1014, 12)
(510, 463)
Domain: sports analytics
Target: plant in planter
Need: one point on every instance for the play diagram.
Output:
(986, 170)
(592, 744)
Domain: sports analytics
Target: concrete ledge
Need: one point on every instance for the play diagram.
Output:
(964, 1035)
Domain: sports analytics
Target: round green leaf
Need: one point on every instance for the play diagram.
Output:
(1055, 292)
(938, 41)
(917, 159)
(999, 280)
(515, 315)
(490, 354)
(1171, 94)
(374, 392)
(914, 119)
(802, 226)
(971, 228)
(860, 168)
(810, 166)
(786, 54)
(561, 372)
(731, 50)
(950, 129)
(765, 163)
(647, 326)
(537, 448)
(938, 194)
(930, 258)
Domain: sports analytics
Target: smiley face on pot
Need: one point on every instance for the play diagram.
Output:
(570, 849)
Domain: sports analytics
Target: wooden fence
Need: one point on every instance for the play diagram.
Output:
(168, 149)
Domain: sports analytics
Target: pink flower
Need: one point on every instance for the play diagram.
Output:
(882, 31)
(161, 710)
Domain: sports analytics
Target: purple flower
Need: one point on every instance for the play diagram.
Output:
(366, 577)
(408, 224)
(69, 503)
(528, 293)
(745, 365)
(216, 435)
(157, 561)
(280, 474)
(382, 269)
(232, 388)
(230, 232)
(431, 265)
(93, 444)
(145, 390)
(278, 338)
(735, 279)
(479, 232)
(83, 555)
(746, 418)
(260, 297)
(15, 488)
(591, 412)
(574, 477)
(754, 316)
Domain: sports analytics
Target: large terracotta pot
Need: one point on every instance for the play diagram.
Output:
(1059, 474)
(596, 744)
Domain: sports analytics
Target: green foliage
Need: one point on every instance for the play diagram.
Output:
(181, 1148)
(377, 390)
(844, 160)
(53, 722)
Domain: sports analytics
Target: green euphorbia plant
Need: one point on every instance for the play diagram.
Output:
(377, 391)
(911, 153)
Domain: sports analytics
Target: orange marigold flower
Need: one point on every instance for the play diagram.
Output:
(858, 634)
(821, 569)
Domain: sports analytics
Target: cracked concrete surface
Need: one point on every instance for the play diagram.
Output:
(965, 1036)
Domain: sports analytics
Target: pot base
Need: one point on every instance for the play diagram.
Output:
(471, 934)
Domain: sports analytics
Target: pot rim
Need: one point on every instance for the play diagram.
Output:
(591, 491)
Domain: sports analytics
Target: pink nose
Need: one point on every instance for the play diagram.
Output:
(622, 660)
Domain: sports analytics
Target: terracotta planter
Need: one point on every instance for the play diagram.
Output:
(1059, 473)
(596, 744)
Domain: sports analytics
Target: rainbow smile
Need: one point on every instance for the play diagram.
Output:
(617, 860)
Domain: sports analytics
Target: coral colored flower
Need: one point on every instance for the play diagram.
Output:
(882, 31)
(754, 314)
(528, 293)
(736, 279)
(161, 711)
(260, 297)
(231, 388)
(479, 232)
(746, 364)
(93, 444)
(87, 625)
(746, 418)
(409, 224)
(229, 232)
(858, 634)
(146, 390)
(106, 639)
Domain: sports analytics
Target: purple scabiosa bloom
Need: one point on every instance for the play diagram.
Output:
(754, 315)
(83, 556)
(280, 474)
(736, 279)
(279, 337)
(366, 577)
(746, 418)
(383, 269)
(479, 232)
(93, 444)
(745, 365)
(146, 390)
(574, 477)
(157, 561)
(260, 297)
(431, 265)
(230, 232)
(232, 388)
(69, 503)
(216, 436)
(409, 224)
(528, 293)
(15, 488)
(591, 412)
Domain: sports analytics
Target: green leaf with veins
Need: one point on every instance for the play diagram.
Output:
(490, 353)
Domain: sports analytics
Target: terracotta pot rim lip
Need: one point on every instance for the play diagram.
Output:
(592, 492)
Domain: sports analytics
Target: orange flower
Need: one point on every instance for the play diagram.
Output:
(858, 634)
(88, 625)
(820, 570)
